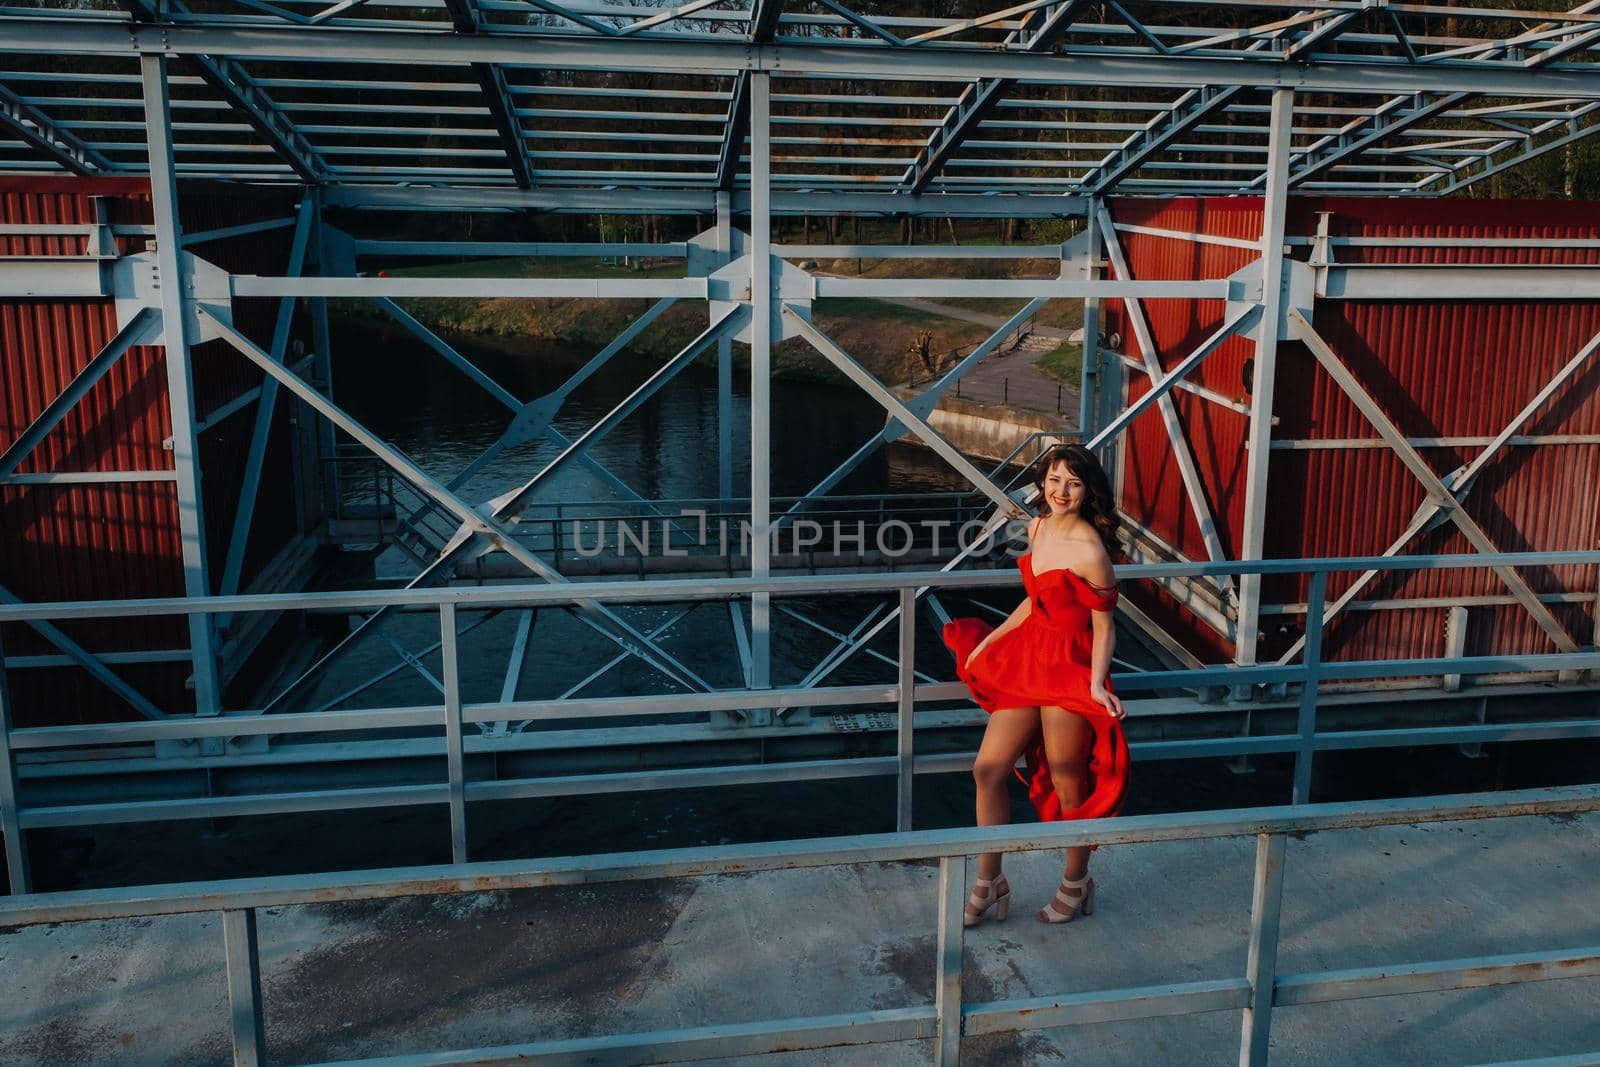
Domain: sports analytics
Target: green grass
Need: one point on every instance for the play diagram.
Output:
(1064, 363)
(882, 310)
(529, 267)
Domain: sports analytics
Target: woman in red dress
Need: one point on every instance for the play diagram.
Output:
(1042, 675)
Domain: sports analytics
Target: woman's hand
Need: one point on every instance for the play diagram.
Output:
(1107, 699)
(981, 645)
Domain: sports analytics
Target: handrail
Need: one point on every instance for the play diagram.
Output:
(525, 594)
(949, 1018)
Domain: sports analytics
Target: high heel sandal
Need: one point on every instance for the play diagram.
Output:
(1063, 908)
(985, 895)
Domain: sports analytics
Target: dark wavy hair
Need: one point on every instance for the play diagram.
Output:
(1099, 506)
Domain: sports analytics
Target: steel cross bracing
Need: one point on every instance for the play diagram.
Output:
(870, 107)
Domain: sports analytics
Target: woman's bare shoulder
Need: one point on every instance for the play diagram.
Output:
(1088, 557)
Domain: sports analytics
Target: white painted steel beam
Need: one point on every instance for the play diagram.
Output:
(143, 328)
(490, 526)
(1182, 454)
(496, 96)
(50, 138)
(1436, 489)
(1459, 483)
(241, 93)
(1252, 540)
(176, 306)
(702, 56)
(898, 410)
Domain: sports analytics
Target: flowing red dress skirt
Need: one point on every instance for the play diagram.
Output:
(1045, 661)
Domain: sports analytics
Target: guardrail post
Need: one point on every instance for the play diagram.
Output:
(454, 755)
(947, 976)
(1306, 727)
(908, 683)
(1261, 967)
(244, 986)
(10, 814)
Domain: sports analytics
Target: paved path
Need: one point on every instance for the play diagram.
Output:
(1010, 378)
(346, 981)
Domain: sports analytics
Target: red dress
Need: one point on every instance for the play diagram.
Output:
(1045, 660)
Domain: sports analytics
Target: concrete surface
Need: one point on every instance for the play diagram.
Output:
(406, 976)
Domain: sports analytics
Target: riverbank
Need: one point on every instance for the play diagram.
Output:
(883, 335)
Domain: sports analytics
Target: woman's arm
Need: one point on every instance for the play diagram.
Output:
(1104, 626)
(1105, 642)
(1012, 621)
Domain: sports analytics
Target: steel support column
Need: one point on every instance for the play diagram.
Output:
(180, 375)
(17, 870)
(725, 361)
(762, 319)
(1089, 382)
(233, 568)
(1266, 906)
(1259, 441)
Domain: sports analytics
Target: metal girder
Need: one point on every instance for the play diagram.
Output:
(1459, 482)
(667, 55)
(1438, 492)
(896, 407)
(252, 103)
(490, 526)
(979, 99)
(44, 135)
(1189, 111)
(1530, 150)
(922, 405)
(763, 28)
(701, 202)
(143, 328)
(492, 80)
(733, 136)
(1182, 455)
(1401, 113)
(255, 461)
(90, 662)
(176, 337)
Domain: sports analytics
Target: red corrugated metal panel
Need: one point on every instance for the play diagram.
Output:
(1438, 368)
(1153, 487)
(66, 542)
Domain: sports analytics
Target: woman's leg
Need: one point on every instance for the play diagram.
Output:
(1008, 733)
(1068, 739)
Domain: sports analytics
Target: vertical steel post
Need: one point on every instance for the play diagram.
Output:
(10, 792)
(180, 379)
(1088, 398)
(1306, 727)
(947, 974)
(1261, 966)
(454, 755)
(724, 363)
(322, 367)
(1258, 444)
(761, 321)
(908, 700)
(243, 956)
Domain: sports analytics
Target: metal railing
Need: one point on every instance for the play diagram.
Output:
(440, 728)
(1254, 994)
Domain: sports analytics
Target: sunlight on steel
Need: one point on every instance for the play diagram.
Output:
(658, 94)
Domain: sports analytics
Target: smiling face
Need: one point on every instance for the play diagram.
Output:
(1063, 490)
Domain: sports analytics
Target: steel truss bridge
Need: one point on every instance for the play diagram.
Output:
(737, 114)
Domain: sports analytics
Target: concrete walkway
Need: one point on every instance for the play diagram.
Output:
(346, 981)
